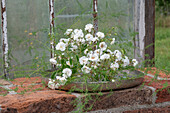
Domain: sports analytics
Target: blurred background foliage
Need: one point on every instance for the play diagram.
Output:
(162, 34)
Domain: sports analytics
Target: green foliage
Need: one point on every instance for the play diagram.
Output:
(162, 48)
(163, 6)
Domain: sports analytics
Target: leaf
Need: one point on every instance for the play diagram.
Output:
(62, 61)
(165, 85)
(53, 75)
(77, 58)
(106, 4)
(29, 50)
(71, 61)
(123, 51)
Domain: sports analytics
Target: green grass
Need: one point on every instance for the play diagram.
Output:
(162, 48)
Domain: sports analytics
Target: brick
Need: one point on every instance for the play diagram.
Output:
(126, 97)
(4, 82)
(38, 102)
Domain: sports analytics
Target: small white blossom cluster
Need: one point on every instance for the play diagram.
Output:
(88, 54)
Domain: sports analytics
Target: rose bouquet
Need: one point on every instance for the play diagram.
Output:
(84, 55)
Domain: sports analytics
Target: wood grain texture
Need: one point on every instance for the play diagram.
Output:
(150, 32)
(4, 39)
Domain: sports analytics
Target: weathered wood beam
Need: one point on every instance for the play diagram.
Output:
(144, 24)
(4, 38)
(150, 32)
(139, 27)
(52, 40)
(95, 18)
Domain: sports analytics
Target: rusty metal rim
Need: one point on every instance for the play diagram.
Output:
(102, 86)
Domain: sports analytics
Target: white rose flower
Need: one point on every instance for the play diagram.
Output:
(85, 51)
(61, 46)
(86, 69)
(94, 57)
(94, 65)
(109, 51)
(89, 27)
(103, 46)
(98, 51)
(68, 31)
(78, 33)
(135, 62)
(58, 65)
(100, 34)
(82, 40)
(113, 41)
(118, 54)
(67, 72)
(59, 57)
(125, 61)
(89, 37)
(114, 66)
(57, 85)
(83, 60)
(104, 56)
(53, 61)
(61, 78)
(113, 80)
(76, 37)
(65, 40)
(78, 75)
(89, 53)
(68, 63)
(51, 84)
(95, 39)
(74, 46)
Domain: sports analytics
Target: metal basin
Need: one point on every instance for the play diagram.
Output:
(135, 78)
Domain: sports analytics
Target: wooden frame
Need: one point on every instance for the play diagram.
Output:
(144, 16)
(4, 38)
(150, 32)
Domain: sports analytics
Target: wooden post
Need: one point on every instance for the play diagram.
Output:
(95, 22)
(150, 32)
(139, 27)
(4, 38)
(51, 9)
(144, 17)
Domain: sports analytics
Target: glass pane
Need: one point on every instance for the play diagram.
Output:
(117, 14)
(28, 22)
(72, 14)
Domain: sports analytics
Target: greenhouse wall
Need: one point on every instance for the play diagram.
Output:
(28, 28)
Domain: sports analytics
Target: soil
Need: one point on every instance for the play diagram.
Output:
(162, 88)
(26, 81)
(155, 71)
(29, 88)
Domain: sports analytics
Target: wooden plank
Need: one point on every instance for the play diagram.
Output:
(139, 27)
(52, 40)
(95, 22)
(4, 38)
(150, 32)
